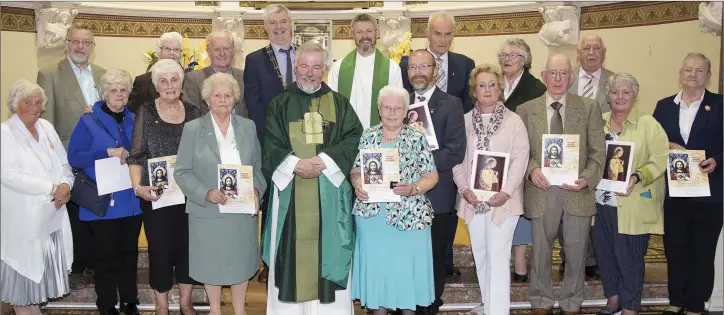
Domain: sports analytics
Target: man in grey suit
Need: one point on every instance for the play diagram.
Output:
(589, 81)
(71, 87)
(570, 205)
(220, 47)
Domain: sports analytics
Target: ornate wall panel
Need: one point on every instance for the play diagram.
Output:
(593, 17)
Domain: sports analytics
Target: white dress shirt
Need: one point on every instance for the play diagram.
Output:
(550, 111)
(687, 114)
(227, 145)
(427, 95)
(443, 65)
(86, 82)
(509, 88)
(282, 60)
(582, 80)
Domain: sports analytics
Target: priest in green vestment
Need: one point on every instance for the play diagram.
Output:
(361, 74)
(310, 144)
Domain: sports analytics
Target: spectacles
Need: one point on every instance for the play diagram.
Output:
(554, 73)
(420, 67)
(76, 42)
(169, 49)
(491, 85)
(502, 56)
(392, 110)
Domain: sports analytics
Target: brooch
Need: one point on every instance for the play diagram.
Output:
(51, 145)
(707, 108)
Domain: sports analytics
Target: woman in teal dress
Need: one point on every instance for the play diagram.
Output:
(392, 267)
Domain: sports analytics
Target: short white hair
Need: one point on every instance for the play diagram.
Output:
(164, 66)
(115, 76)
(621, 79)
(524, 49)
(393, 90)
(170, 37)
(274, 9)
(311, 47)
(440, 15)
(216, 79)
(217, 34)
(20, 90)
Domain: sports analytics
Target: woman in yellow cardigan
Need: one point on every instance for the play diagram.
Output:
(625, 221)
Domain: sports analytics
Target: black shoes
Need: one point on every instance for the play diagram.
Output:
(593, 274)
(519, 278)
(109, 311)
(130, 309)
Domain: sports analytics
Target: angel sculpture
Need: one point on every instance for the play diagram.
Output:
(53, 24)
(392, 30)
(562, 26)
(710, 16)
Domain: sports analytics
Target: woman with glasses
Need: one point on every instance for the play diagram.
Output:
(520, 86)
(170, 46)
(490, 126)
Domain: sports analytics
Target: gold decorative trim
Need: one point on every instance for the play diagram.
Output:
(628, 14)
(315, 5)
(206, 3)
(415, 2)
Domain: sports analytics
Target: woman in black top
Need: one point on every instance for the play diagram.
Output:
(157, 133)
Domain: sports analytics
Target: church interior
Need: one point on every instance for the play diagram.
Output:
(645, 39)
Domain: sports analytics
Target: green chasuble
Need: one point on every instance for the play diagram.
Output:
(315, 228)
(380, 77)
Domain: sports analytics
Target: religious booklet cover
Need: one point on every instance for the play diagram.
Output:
(685, 177)
(160, 175)
(418, 117)
(237, 184)
(617, 166)
(380, 174)
(489, 173)
(559, 158)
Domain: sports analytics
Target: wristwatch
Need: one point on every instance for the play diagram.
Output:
(638, 177)
(135, 190)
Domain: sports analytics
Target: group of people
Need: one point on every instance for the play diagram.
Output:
(324, 242)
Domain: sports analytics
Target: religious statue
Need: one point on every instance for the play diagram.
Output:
(562, 26)
(392, 30)
(710, 15)
(52, 25)
(233, 24)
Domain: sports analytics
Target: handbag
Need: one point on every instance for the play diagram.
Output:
(85, 189)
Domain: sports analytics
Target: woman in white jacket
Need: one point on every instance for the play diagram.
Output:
(36, 249)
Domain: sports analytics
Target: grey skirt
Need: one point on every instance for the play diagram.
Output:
(18, 290)
(225, 250)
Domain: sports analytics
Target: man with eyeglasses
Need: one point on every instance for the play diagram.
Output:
(170, 46)
(72, 88)
(361, 74)
(446, 112)
(310, 146)
(589, 81)
(221, 50)
(570, 205)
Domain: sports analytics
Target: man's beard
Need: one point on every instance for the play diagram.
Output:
(365, 46)
(307, 84)
(78, 59)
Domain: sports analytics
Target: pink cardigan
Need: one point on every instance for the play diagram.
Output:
(512, 138)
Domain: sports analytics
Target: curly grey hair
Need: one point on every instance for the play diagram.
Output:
(22, 89)
(524, 50)
(165, 66)
(216, 79)
(170, 37)
(620, 79)
(115, 76)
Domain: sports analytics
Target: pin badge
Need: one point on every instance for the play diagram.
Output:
(51, 145)
(707, 108)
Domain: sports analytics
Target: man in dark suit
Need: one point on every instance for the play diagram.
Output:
(221, 52)
(446, 112)
(268, 71)
(170, 46)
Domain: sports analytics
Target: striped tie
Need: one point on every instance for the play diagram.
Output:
(588, 89)
(441, 79)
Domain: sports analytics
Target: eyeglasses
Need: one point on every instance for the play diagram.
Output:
(554, 73)
(694, 70)
(491, 85)
(169, 50)
(76, 42)
(502, 56)
(391, 109)
(412, 68)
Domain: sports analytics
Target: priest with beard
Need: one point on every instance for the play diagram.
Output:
(361, 74)
(310, 144)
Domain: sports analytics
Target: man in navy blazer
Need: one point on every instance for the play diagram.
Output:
(268, 71)
(453, 69)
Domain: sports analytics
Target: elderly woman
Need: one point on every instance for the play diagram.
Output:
(490, 126)
(157, 133)
(520, 86)
(170, 46)
(692, 120)
(107, 132)
(625, 221)
(225, 247)
(36, 246)
(392, 266)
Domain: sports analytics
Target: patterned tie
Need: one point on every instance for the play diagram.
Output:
(556, 126)
(588, 89)
(288, 52)
(441, 79)
(421, 98)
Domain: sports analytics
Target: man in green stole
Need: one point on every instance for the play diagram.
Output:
(310, 145)
(361, 74)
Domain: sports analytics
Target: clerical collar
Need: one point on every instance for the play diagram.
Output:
(118, 117)
(323, 89)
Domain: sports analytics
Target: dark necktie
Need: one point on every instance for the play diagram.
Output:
(556, 126)
(421, 98)
(288, 52)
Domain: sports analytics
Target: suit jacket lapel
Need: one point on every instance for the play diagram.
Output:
(601, 92)
(523, 85)
(434, 103)
(71, 82)
(210, 135)
(574, 87)
(702, 115)
(208, 71)
(271, 58)
(573, 114)
(238, 134)
(451, 69)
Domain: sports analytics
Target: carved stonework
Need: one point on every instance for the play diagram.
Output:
(52, 25)
(392, 30)
(561, 26)
(233, 24)
(710, 15)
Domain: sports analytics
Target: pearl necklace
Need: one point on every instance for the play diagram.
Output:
(166, 116)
